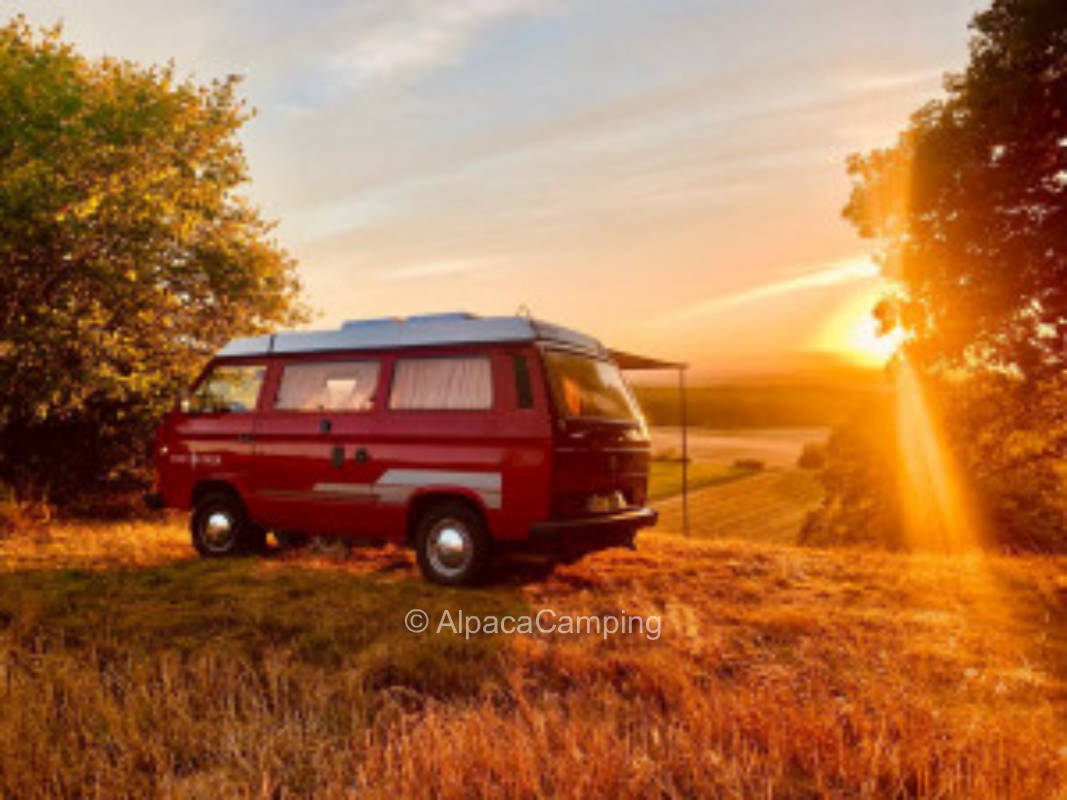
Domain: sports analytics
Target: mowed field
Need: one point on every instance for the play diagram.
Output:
(129, 668)
(728, 502)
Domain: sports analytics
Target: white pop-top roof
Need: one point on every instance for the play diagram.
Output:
(422, 331)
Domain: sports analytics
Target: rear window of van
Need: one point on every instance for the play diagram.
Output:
(442, 383)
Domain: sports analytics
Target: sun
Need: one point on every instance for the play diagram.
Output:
(851, 331)
(866, 345)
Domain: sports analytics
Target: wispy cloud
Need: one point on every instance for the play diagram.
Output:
(895, 80)
(435, 269)
(831, 274)
(409, 36)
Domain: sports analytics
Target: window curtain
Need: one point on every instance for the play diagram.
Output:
(334, 386)
(442, 383)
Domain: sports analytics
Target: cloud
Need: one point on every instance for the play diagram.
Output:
(896, 80)
(434, 269)
(831, 274)
(689, 132)
(410, 36)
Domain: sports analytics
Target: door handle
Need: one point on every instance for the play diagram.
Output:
(362, 455)
(325, 425)
(246, 437)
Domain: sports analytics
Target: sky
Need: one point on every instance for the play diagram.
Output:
(667, 176)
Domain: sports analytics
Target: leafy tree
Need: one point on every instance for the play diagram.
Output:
(970, 205)
(125, 255)
(969, 209)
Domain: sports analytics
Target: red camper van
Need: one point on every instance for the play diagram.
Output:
(450, 432)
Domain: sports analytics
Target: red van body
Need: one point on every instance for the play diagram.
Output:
(510, 430)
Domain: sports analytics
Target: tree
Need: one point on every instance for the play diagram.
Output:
(969, 210)
(126, 255)
(970, 205)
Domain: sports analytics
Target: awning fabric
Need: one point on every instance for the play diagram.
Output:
(632, 361)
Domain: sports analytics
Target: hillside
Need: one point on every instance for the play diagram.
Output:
(796, 400)
(129, 668)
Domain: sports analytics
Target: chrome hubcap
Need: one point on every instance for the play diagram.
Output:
(450, 547)
(218, 530)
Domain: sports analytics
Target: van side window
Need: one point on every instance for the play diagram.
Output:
(328, 386)
(442, 383)
(523, 389)
(228, 388)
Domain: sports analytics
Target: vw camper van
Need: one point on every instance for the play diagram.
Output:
(452, 433)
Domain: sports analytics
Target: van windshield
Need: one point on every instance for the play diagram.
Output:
(588, 388)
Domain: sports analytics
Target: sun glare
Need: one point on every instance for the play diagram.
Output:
(937, 511)
(852, 331)
(866, 345)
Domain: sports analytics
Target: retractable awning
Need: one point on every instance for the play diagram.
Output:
(631, 362)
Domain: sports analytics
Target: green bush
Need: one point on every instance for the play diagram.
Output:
(1009, 440)
(813, 456)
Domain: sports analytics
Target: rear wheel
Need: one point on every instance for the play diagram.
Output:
(220, 527)
(452, 544)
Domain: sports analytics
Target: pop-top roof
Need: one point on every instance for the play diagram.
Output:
(420, 331)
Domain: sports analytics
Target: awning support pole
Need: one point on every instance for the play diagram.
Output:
(685, 450)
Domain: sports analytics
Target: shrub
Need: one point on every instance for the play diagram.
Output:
(1009, 439)
(813, 456)
(751, 464)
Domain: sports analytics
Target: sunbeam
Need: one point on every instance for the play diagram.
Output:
(937, 513)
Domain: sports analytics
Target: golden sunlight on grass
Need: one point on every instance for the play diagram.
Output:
(96, 545)
(779, 672)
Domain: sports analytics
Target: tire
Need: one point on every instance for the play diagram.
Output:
(221, 528)
(452, 544)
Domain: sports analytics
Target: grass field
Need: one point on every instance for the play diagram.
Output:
(128, 668)
(767, 506)
(665, 477)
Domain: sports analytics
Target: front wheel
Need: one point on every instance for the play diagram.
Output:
(220, 527)
(452, 544)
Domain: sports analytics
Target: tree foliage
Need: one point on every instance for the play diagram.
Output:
(125, 255)
(969, 210)
(1010, 437)
(970, 205)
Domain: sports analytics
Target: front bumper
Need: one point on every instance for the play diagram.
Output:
(626, 521)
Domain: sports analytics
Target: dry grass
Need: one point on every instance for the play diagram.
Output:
(780, 672)
(96, 545)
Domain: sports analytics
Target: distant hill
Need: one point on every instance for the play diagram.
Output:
(817, 397)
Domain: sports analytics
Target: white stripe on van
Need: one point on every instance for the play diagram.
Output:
(430, 477)
(396, 486)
